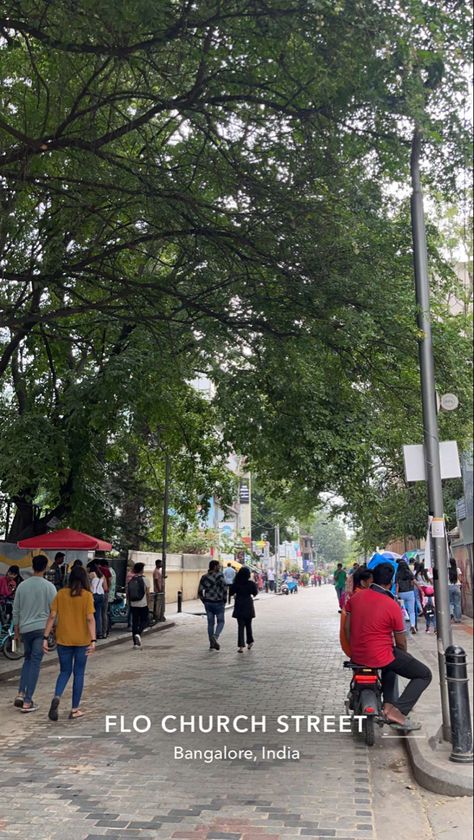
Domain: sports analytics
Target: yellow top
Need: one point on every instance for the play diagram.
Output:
(72, 611)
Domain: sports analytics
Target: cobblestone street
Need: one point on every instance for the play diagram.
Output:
(73, 780)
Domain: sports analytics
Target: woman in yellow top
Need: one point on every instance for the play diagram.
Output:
(73, 607)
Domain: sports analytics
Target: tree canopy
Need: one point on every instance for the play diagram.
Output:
(194, 187)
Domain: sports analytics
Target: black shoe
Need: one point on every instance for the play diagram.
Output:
(53, 709)
(214, 643)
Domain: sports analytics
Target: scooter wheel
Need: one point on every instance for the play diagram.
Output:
(369, 731)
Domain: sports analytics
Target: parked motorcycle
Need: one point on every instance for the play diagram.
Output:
(365, 700)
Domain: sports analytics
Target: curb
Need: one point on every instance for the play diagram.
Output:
(433, 776)
(106, 643)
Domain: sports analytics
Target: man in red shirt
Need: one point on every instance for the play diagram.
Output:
(374, 620)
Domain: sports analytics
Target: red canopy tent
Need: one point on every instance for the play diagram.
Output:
(64, 540)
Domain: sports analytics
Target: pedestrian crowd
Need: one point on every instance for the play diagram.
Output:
(73, 606)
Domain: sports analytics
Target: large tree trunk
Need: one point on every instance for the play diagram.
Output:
(25, 522)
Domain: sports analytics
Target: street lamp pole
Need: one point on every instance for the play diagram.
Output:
(430, 423)
(277, 555)
(165, 526)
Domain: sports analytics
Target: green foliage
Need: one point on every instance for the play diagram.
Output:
(201, 187)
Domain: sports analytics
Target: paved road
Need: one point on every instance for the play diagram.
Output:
(73, 781)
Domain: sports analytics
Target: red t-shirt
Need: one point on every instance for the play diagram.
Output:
(374, 619)
(106, 572)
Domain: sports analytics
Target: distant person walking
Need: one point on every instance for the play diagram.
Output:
(229, 577)
(340, 585)
(73, 607)
(98, 586)
(405, 591)
(245, 591)
(212, 591)
(103, 565)
(271, 579)
(158, 592)
(58, 570)
(137, 594)
(31, 609)
(455, 577)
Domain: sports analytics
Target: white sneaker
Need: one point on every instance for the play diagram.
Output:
(137, 640)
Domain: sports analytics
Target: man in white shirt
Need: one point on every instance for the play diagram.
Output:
(229, 575)
(271, 579)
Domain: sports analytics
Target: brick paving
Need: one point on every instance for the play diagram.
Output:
(72, 781)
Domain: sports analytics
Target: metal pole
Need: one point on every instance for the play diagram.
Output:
(165, 527)
(179, 601)
(277, 556)
(430, 423)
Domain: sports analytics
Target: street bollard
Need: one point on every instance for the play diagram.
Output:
(458, 696)
(180, 601)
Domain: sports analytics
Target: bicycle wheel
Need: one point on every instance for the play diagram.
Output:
(8, 651)
(52, 643)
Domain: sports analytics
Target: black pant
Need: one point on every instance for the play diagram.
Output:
(405, 665)
(244, 629)
(139, 619)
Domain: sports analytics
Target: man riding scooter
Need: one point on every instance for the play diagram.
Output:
(374, 621)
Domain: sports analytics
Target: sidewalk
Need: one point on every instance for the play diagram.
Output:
(196, 607)
(428, 754)
(11, 669)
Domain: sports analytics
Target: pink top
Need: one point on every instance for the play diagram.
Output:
(7, 587)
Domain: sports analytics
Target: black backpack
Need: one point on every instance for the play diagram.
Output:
(136, 588)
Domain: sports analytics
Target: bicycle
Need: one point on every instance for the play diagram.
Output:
(8, 646)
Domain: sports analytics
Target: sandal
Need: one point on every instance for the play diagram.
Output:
(408, 726)
(73, 715)
(53, 709)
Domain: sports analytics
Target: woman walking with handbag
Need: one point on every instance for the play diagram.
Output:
(73, 607)
(245, 591)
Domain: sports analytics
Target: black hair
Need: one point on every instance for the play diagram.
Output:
(360, 574)
(138, 568)
(213, 564)
(383, 574)
(453, 571)
(39, 563)
(242, 575)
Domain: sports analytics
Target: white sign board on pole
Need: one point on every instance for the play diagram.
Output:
(414, 457)
(437, 527)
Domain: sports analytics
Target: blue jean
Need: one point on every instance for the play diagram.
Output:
(408, 599)
(98, 607)
(33, 647)
(455, 601)
(71, 659)
(215, 613)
